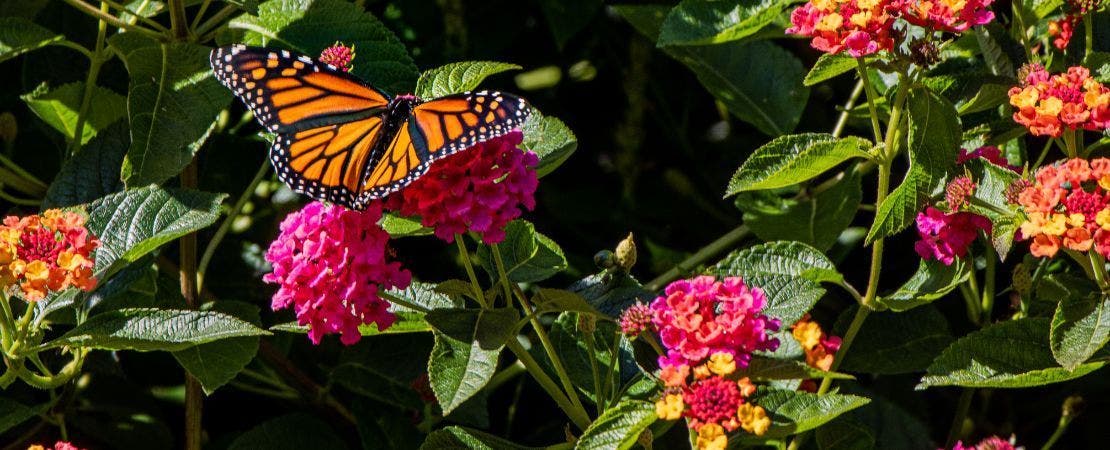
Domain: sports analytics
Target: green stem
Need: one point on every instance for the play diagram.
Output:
(23, 173)
(194, 395)
(465, 256)
(150, 22)
(713, 249)
(1061, 427)
(1069, 143)
(963, 405)
(179, 24)
(1089, 40)
(19, 201)
(113, 20)
(7, 323)
(90, 82)
(1098, 269)
(225, 226)
(503, 376)
(988, 285)
(614, 371)
(213, 22)
(1044, 153)
(502, 274)
(71, 369)
(871, 95)
(972, 302)
(591, 351)
(576, 415)
(848, 105)
(200, 14)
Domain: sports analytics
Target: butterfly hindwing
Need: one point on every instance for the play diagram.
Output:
(288, 92)
(328, 162)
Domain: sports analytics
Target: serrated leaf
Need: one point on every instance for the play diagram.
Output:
(1080, 327)
(934, 140)
(1013, 354)
(460, 438)
(148, 329)
(993, 53)
(611, 293)
(932, 281)
(172, 104)
(817, 221)
(135, 222)
(558, 300)
(19, 36)
(367, 382)
(296, 431)
(93, 172)
(573, 350)
(216, 363)
(989, 200)
(618, 427)
(845, 433)
(829, 66)
(528, 255)
(399, 226)
(989, 96)
(792, 412)
(550, 139)
(13, 413)
(59, 108)
(703, 22)
(459, 369)
(788, 272)
(489, 328)
(458, 77)
(406, 323)
(762, 368)
(792, 159)
(892, 343)
(381, 59)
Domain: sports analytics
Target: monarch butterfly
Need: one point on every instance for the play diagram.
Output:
(344, 141)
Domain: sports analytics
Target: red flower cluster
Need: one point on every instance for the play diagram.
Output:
(1063, 29)
(1050, 104)
(339, 55)
(1068, 206)
(60, 445)
(953, 16)
(46, 253)
(480, 190)
(990, 443)
(859, 27)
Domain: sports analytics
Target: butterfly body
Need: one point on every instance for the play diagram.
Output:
(341, 140)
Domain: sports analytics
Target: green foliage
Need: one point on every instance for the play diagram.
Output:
(896, 342)
(460, 438)
(216, 363)
(528, 255)
(149, 329)
(457, 77)
(793, 412)
(289, 432)
(932, 281)
(19, 36)
(789, 160)
(550, 139)
(789, 273)
(93, 172)
(818, 220)
(1080, 327)
(829, 66)
(767, 369)
(59, 108)
(701, 22)
(13, 413)
(845, 434)
(618, 427)
(459, 369)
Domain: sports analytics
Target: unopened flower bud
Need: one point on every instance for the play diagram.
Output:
(626, 253)
(605, 259)
(958, 192)
(1073, 406)
(1023, 280)
(586, 323)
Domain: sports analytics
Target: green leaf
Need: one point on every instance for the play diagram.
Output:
(788, 272)
(568, 17)
(793, 412)
(762, 368)
(93, 172)
(147, 329)
(932, 281)
(406, 323)
(989, 200)
(618, 427)
(460, 438)
(458, 77)
(399, 226)
(989, 96)
(573, 350)
(817, 221)
(703, 22)
(934, 140)
(611, 292)
(296, 431)
(19, 36)
(993, 52)
(1080, 327)
(488, 328)
(789, 160)
(550, 139)
(892, 343)
(528, 255)
(829, 66)
(1099, 63)
(59, 108)
(135, 222)
(647, 19)
(459, 369)
(1013, 354)
(216, 363)
(172, 104)
(381, 58)
(845, 433)
(13, 413)
(558, 300)
(369, 383)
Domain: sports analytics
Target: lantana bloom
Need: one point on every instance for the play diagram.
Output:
(820, 349)
(1050, 104)
(987, 152)
(339, 56)
(1068, 206)
(946, 236)
(699, 317)
(635, 319)
(990, 443)
(330, 264)
(712, 402)
(46, 253)
(859, 27)
(953, 16)
(60, 445)
(480, 190)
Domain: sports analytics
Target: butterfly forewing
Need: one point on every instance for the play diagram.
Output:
(328, 162)
(289, 92)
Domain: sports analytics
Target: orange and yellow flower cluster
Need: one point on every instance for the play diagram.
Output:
(46, 253)
(712, 402)
(953, 16)
(820, 348)
(859, 27)
(1051, 104)
(1068, 207)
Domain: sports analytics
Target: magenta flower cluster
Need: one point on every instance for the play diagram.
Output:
(702, 316)
(480, 190)
(945, 237)
(329, 263)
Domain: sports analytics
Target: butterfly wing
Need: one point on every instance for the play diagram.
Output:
(328, 162)
(440, 128)
(289, 93)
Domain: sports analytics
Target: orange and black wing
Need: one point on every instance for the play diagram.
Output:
(289, 93)
(440, 128)
(328, 162)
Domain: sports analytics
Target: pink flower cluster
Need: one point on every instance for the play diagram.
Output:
(480, 190)
(339, 55)
(990, 443)
(987, 152)
(703, 316)
(330, 263)
(859, 27)
(60, 445)
(953, 16)
(945, 237)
